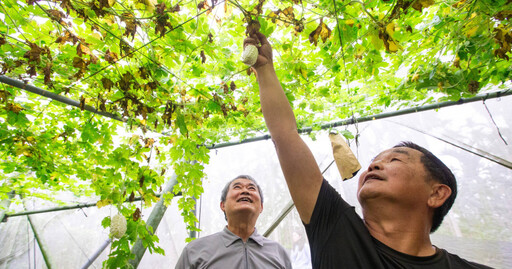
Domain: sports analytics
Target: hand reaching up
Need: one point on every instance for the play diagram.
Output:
(264, 49)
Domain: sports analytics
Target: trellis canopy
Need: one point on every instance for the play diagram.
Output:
(122, 105)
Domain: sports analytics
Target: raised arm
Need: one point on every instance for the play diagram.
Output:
(299, 167)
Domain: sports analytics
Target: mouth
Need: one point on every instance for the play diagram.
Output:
(372, 177)
(244, 199)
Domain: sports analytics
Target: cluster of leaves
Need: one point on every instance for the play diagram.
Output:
(172, 68)
(121, 254)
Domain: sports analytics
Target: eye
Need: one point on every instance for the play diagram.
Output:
(395, 159)
(252, 188)
(236, 187)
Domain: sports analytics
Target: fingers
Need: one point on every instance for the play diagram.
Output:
(256, 39)
(262, 38)
(250, 41)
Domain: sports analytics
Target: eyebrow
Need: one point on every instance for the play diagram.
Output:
(239, 183)
(394, 150)
(401, 151)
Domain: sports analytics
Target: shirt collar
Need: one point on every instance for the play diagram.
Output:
(229, 238)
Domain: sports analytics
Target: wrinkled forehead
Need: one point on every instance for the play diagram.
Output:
(242, 182)
(403, 151)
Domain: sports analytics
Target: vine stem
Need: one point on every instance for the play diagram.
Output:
(143, 46)
(7, 13)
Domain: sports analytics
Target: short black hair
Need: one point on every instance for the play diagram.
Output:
(440, 173)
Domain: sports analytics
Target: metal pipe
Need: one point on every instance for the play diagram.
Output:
(478, 152)
(37, 236)
(153, 221)
(96, 254)
(286, 210)
(486, 96)
(5, 204)
(344, 122)
(33, 89)
(60, 208)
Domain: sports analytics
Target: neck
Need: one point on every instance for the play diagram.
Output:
(242, 229)
(404, 230)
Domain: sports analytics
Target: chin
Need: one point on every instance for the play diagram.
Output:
(364, 195)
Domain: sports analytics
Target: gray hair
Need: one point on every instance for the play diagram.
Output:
(226, 188)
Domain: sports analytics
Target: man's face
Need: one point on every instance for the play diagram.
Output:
(242, 198)
(396, 175)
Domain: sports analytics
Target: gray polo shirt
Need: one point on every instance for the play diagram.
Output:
(225, 250)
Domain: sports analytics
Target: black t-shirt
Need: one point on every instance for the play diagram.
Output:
(338, 238)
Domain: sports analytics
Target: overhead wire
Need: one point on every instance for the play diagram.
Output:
(346, 73)
(495, 125)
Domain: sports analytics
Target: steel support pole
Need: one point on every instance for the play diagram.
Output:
(153, 221)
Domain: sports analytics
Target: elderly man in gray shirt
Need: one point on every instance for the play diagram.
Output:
(239, 245)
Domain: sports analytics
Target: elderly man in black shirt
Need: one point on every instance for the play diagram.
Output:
(405, 193)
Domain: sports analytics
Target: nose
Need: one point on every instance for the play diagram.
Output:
(375, 165)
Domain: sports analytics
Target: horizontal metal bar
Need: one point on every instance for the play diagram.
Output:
(344, 122)
(33, 89)
(60, 208)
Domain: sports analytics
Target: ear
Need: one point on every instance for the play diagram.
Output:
(222, 206)
(440, 192)
(261, 208)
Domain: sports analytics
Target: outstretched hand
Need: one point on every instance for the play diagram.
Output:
(264, 49)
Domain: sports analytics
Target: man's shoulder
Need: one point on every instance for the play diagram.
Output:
(458, 262)
(271, 244)
(269, 241)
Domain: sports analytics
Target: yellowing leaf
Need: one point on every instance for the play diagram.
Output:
(393, 46)
(325, 32)
(321, 31)
(304, 73)
(420, 4)
(96, 35)
(288, 12)
(104, 202)
(111, 3)
(14, 108)
(84, 49)
(227, 9)
(390, 28)
(149, 142)
(110, 21)
(54, 175)
(151, 2)
(471, 32)
(349, 22)
(149, 198)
